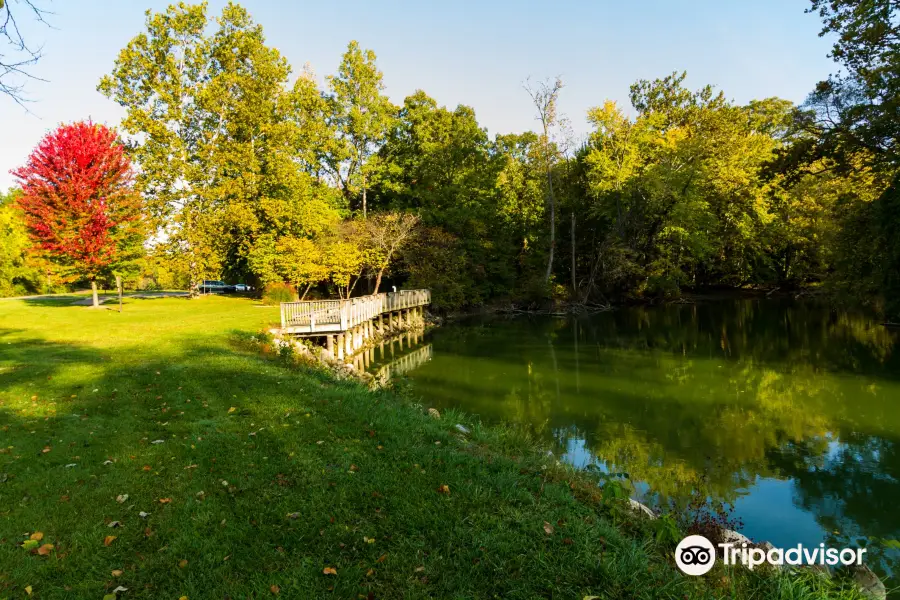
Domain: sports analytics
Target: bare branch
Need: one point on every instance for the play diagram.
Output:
(19, 54)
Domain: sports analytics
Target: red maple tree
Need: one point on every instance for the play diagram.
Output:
(79, 202)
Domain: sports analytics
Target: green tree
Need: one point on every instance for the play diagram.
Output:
(361, 117)
(856, 111)
(19, 271)
(218, 133)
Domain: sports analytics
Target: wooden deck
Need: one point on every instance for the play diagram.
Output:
(320, 317)
(348, 325)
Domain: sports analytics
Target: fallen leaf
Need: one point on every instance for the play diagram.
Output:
(121, 498)
(143, 515)
(165, 500)
(114, 524)
(158, 441)
(109, 597)
(37, 536)
(63, 498)
(45, 549)
(231, 410)
(117, 572)
(354, 468)
(444, 489)
(183, 598)
(548, 528)
(382, 558)
(419, 569)
(28, 589)
(274, 589)
(29, 544)
(108, 540)
(120, 589)
(329, 571)
(182, 563)
(370, 572)
(45, 451)
(294, 516)
(147, 467)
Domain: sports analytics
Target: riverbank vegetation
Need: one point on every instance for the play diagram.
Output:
(147, 450)
(251, 172)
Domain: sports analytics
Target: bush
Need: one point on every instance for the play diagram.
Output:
(276, 293)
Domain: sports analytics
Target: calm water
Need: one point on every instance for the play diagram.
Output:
(787, 411)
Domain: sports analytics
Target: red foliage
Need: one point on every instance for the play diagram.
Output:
(79, 204)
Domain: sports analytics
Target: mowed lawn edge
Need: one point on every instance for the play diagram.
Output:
(155, 454)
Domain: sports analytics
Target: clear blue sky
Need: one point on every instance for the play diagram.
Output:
(471, 52)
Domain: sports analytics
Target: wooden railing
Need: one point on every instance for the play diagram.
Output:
(328, 316)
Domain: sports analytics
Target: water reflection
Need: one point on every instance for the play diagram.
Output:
(787, 410)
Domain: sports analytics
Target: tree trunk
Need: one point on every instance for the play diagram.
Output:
(552, 222)
(305, 292)
(119, 288)
(378, 280)
(94, 293)
(364, 199)
(574, 284)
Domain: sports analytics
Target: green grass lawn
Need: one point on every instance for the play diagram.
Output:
(257, 478)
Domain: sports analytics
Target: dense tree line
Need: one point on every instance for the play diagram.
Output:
(251, 173)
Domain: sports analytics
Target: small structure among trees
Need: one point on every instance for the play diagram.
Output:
(79, 204)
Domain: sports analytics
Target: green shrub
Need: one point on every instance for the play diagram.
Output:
(276, 293)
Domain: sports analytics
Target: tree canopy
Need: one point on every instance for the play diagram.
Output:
(251, 172)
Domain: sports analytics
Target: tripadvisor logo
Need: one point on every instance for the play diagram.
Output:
(696, 555)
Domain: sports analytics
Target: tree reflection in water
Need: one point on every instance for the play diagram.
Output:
(717, 396)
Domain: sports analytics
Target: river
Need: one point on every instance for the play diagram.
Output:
(784, 410)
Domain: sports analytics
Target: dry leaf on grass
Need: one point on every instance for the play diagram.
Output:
(548, 528)
(109, 540)
(329, 571)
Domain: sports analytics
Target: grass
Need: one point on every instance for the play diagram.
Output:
(257, 478)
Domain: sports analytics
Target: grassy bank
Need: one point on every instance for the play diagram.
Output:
(259, 480)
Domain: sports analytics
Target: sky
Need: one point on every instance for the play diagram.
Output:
(477, 53)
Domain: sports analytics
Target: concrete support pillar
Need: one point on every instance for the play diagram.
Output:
(366, 360)
(381, 350)
(391, 320)
(329, 344)
(340, 346)
(348, 343)
(381, 324)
